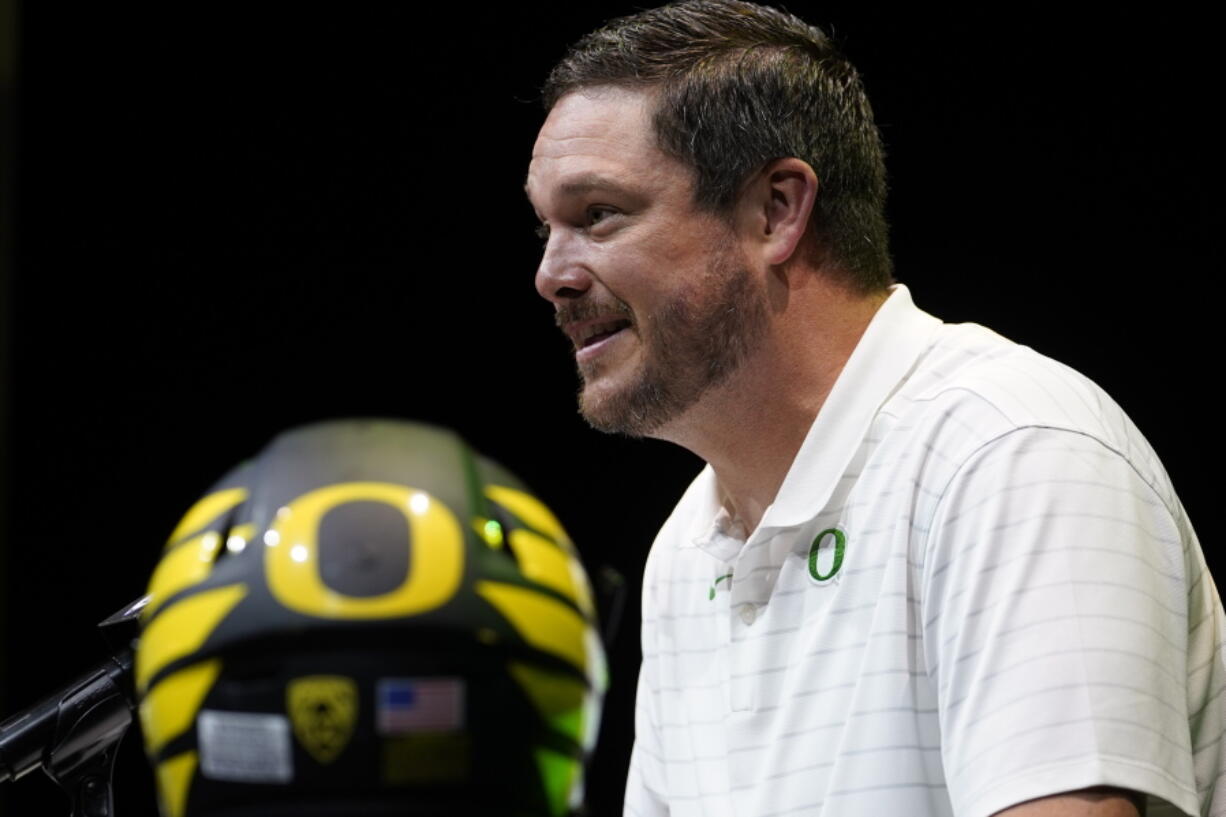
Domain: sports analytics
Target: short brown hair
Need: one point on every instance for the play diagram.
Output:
(741, 85)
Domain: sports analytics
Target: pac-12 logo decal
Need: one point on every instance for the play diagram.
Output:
(826, 555)
(323, 709)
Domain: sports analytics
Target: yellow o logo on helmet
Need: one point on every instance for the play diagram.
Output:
(292, 554)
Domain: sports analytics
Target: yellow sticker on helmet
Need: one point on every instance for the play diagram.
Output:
(429, 758)
(323, 710)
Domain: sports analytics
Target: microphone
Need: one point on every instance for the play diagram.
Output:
(67, 731)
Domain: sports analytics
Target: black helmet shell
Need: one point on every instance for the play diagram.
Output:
(369, 618)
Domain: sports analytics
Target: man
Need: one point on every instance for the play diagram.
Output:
(926, 571)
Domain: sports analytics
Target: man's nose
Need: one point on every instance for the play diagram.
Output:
(561, 277)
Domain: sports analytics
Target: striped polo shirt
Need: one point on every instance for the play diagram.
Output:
(975, 587)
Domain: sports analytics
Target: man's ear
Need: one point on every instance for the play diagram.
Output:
(778, 203)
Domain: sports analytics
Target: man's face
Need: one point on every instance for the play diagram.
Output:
(653, 293)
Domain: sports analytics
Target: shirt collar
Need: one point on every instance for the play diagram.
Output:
(894, 340)
(892, 343)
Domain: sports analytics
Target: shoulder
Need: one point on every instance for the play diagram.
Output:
(973, 389)
(970, 368)
(1055, 560)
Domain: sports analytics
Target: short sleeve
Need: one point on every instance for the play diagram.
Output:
(1056, 627)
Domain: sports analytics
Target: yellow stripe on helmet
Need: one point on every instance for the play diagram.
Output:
(169, 709)
(544, 622)
(182, 628)
(174, 778)
(207, 510)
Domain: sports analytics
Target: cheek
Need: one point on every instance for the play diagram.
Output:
(638, 279)
(655, 267)
(678, 249)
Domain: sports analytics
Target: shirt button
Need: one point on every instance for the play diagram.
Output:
(748, 613)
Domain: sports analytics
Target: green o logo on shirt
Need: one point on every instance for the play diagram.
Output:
(826, 555)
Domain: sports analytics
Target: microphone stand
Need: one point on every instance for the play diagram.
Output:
(74, 734)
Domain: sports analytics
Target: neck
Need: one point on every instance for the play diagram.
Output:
(751, 427)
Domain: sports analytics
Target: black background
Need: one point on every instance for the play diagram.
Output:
(232, 221)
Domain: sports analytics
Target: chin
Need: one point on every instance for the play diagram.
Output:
(603, 409)
(637, 409)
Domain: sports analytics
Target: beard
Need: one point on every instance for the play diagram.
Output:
(691, 344)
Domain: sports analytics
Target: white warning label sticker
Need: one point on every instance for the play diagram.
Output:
(245, 746)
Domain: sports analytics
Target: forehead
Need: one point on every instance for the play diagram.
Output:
(594, 134)
(591, 117)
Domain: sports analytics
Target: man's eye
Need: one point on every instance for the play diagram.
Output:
(595, 215)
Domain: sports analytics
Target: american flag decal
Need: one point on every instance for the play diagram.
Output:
(405, 705)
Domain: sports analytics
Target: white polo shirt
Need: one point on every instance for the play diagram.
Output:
(975, 587)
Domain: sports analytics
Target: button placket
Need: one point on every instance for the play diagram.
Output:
(748, 603)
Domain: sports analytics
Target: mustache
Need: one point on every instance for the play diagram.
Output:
(588, 310)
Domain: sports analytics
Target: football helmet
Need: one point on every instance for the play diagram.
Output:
(369, 618)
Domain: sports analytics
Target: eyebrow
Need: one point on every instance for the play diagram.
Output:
(586, 183)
